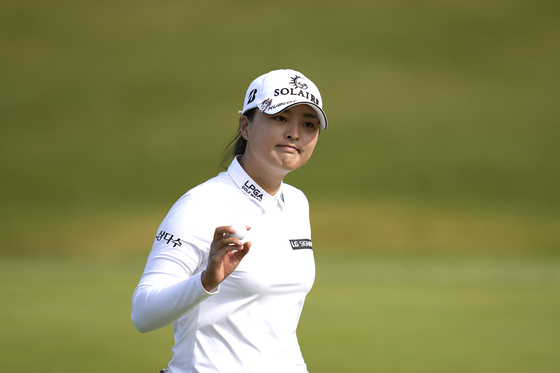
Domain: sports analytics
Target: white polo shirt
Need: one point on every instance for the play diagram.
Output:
(248, 323)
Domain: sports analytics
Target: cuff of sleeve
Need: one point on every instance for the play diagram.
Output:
(211, 292)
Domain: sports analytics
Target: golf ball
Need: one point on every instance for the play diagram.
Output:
(240, 231)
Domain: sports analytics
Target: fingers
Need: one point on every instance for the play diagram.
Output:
(225, 255)
(227, 231)
(223, 242)
(221, 231)
(238, 227)
(246, 247)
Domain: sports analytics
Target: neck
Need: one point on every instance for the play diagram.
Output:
(262, 175)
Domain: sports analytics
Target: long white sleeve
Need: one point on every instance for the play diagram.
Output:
(171, 285)
(156, 306)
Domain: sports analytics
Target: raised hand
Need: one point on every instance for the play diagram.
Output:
(225, 255)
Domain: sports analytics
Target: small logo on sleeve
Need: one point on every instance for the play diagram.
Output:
(166, 236)
(300, 244)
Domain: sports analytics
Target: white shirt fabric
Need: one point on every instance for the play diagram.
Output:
(248, 323)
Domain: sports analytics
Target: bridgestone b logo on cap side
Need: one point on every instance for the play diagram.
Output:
(302, 243)
(252, 96)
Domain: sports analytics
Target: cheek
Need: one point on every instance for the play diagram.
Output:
(311, 143)
(308, 151)
(263, 133)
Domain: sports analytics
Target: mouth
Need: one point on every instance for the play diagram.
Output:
(289, 148)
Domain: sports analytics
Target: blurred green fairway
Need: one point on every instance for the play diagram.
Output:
(434, 192)
(367, 313)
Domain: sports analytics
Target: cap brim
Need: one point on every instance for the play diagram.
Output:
(320, 113)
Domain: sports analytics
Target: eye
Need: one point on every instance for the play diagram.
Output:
(309, 125)
(280, 118)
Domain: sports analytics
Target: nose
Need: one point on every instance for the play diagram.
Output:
(292, 131)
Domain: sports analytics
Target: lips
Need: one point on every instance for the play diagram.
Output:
(289, 147)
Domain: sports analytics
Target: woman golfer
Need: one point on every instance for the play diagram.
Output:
(235, 304)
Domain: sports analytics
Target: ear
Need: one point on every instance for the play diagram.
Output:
(243, 124)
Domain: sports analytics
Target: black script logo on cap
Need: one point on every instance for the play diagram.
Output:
(252, 96)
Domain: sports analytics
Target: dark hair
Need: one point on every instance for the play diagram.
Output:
(238, 144)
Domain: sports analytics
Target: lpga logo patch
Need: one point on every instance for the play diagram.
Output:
(300, 244)
(252, 190)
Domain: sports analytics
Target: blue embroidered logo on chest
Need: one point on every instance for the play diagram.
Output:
(302, 243)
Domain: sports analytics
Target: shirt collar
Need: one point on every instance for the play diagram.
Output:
(250, 188)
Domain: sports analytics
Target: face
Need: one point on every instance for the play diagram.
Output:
(282, 142)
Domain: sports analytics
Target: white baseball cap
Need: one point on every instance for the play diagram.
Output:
(279, 90)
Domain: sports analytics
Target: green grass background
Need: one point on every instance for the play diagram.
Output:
(434, 192)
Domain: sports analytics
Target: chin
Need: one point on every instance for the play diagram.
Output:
(292, 166)
(291, 163)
